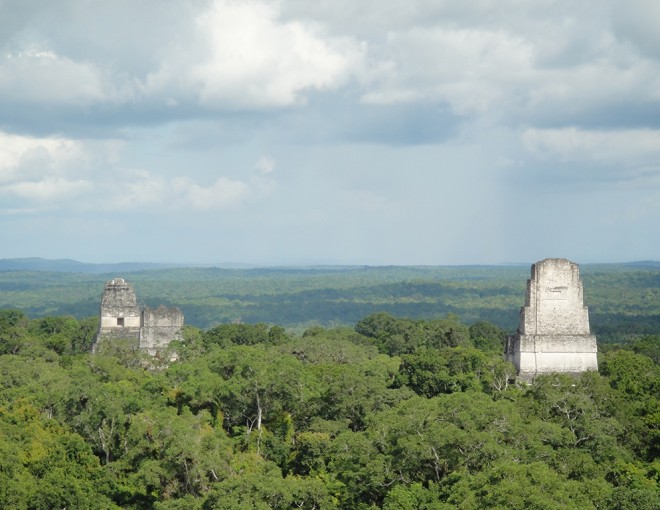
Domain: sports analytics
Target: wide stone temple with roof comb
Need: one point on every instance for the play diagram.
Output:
(150, 329)
(554, 334)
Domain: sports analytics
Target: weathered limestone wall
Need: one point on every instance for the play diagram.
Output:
(554, 334)
(109, 322)
(151, 329)
(553, 301)
(159, 327)
(120, 313)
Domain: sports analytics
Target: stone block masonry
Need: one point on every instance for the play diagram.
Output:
(151, 329)
(159, 327)
(121, 317)
(554, 334)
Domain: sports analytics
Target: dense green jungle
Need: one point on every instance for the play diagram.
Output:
(623, 299)
(325, 388)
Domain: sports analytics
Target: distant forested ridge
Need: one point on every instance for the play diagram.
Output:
(392, 412)
(623, 299)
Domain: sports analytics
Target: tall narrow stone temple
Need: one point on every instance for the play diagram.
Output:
(554, 334)
(120, 313)
(150, 329)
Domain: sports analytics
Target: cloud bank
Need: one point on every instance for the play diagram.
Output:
(287, 130)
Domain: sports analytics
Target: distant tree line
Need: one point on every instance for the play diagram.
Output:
(623, 301)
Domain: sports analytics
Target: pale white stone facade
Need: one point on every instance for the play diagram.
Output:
(554, 334)
(151, 329)
(120, 313)
(159, 327)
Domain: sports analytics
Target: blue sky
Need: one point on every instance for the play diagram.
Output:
(333, 131)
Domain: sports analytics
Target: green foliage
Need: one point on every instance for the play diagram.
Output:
(11, 319)
(244, 334)
(432, 371)
(624, 301)
(634, 374)
(394, 413)
(44, 466)
(518, 487)
(487, 337)
(400, 336)
(648, 345)
(414, 495)
(260, 485)
(336, 346)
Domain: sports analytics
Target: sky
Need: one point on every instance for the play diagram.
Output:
(330, 131)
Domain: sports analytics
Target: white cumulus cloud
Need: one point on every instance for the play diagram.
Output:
(141, 190)
(41, 76)
(469, 69)
(244, 56)
(42, 171)
(25, 157)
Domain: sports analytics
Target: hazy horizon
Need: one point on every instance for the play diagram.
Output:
(301, 264)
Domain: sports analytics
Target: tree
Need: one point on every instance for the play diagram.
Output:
(83, 338)
(428, 439)
(633, 374)
(635, 489)
(44, 466)
(514, 486)
(258, 485)
(171, 455)
(361, 469)
(403, 336)
(10, 318)
(393, 336)
(260, 387)
(430, 372)
(487, 337)
(351, 393)
(239, 334)
(648, 345)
